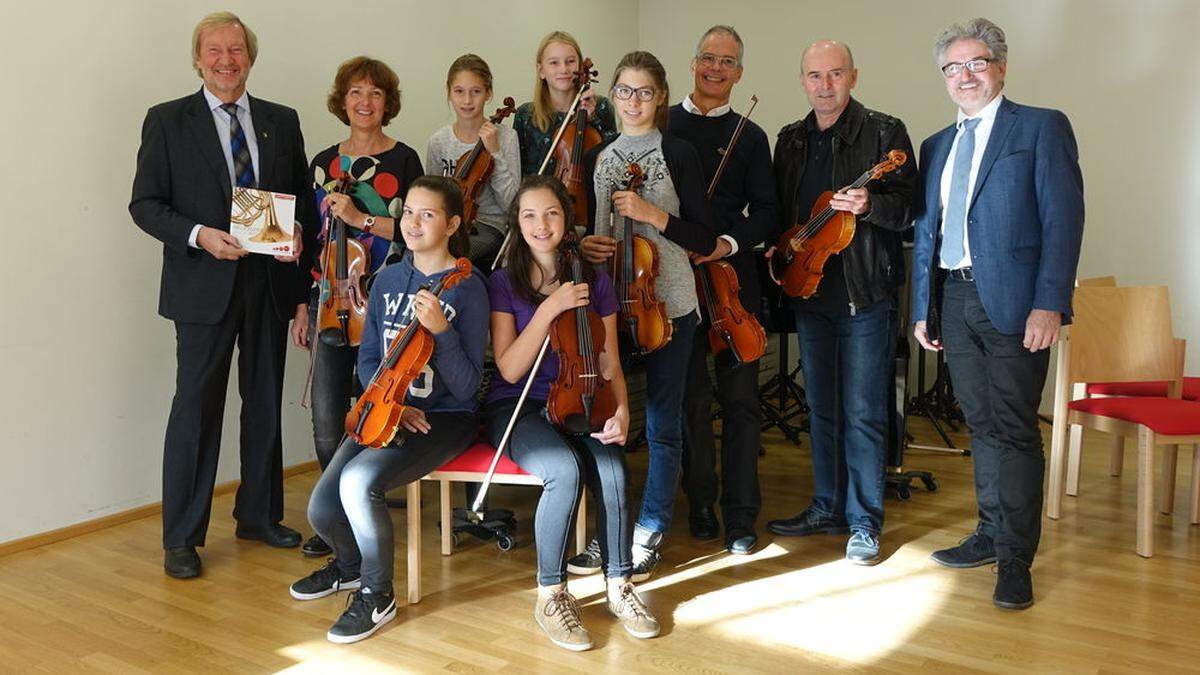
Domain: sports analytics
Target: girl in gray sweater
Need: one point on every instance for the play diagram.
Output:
(468, 90)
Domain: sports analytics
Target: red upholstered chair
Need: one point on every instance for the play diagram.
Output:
(1124, 335)
(469, 467)
(1116, 460)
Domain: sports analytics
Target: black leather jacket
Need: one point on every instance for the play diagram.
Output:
(862, 137)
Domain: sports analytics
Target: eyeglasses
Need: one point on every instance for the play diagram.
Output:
(712, 61)
(625, 92)
(974, 65)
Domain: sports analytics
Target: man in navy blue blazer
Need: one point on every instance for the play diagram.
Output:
(998, 227)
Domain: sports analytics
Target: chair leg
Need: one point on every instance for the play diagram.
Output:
(581, 523)
(1073, 457)
(447, 516)
(1195, 515)
(1145, 493)
(414, 542)
(1058, 434)
(1170, 457)
(1116, 455)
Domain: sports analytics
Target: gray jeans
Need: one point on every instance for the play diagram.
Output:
(347, 506)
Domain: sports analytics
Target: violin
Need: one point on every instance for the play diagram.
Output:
(376, 415)
(474, 168)
(577, 137)
(798, 264)
(730, 325)
(634, 269)
(345, 265)
(581, 399)
(569, 165)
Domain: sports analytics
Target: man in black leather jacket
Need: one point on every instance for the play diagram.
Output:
(847, 329)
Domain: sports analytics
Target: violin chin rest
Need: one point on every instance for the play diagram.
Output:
(332, 337)
(577, 425)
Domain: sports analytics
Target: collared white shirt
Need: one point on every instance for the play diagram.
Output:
(715, 112)
(983, 130)
(221, 120)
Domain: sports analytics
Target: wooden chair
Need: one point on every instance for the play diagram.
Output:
(469, 467)
(1124, 335)
(1116, 457)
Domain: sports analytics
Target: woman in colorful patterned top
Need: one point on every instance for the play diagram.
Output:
(537, 122)
(365, 96)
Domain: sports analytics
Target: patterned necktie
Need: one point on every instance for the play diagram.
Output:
(243, 167)
(956, 207)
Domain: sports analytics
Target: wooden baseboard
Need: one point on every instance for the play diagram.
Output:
(136, 513)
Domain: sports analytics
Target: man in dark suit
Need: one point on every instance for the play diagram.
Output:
(996, 246)
(194, 151)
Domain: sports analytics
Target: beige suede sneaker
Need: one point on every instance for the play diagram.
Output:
(559, 617)
(633, 613)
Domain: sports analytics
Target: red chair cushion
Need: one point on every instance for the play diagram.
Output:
(478, 458)
(1191, 388)
(1163, 415)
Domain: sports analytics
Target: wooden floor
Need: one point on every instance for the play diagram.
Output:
(100, 602)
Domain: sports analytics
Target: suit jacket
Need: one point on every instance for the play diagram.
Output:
(1024, 219)
(182, 180)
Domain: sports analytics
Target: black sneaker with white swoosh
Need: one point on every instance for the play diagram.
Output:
(366, 613)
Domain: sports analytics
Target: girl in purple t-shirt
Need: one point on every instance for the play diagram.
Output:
(526, 295)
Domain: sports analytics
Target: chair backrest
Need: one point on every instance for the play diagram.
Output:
(1097, 281)
(1122, 334)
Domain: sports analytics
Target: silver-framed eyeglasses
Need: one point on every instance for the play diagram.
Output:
(713, 61)
(624, 93)
(974, 65)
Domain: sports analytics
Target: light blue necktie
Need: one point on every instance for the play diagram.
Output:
(956, 208)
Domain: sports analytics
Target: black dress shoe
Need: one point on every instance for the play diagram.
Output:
(741, 543)
(277, 535)
(315, 547)
(1014, 585)
(808, 522)
(181, 562)
(974, 551)
(703, 523)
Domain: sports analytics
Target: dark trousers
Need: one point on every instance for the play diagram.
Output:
(666, 378)
(564, 464)
(998, 383)
(847, 363)
(741, 431)
(203, 353)
(348, 508)
(332, 387)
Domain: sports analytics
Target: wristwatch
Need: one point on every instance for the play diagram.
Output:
(368, 224)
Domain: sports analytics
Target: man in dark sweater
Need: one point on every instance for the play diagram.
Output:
(847, 329)
(705, 120)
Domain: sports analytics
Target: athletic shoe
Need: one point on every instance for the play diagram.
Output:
(366, 613)
(325, 581)
(559, 616)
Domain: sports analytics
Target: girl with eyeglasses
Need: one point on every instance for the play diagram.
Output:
(672, 213)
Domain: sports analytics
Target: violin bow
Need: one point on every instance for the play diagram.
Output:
(476, 513)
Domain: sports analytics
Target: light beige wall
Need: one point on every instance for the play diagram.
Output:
(1119, 70)
(87, 365)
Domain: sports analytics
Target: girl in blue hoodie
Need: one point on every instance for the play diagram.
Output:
(347, 506)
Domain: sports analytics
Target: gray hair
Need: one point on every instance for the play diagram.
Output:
(991, 35)
(721, 29)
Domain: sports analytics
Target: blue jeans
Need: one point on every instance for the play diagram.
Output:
(564, 464)
(666, 380)
(347, 508)
(847, 371)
